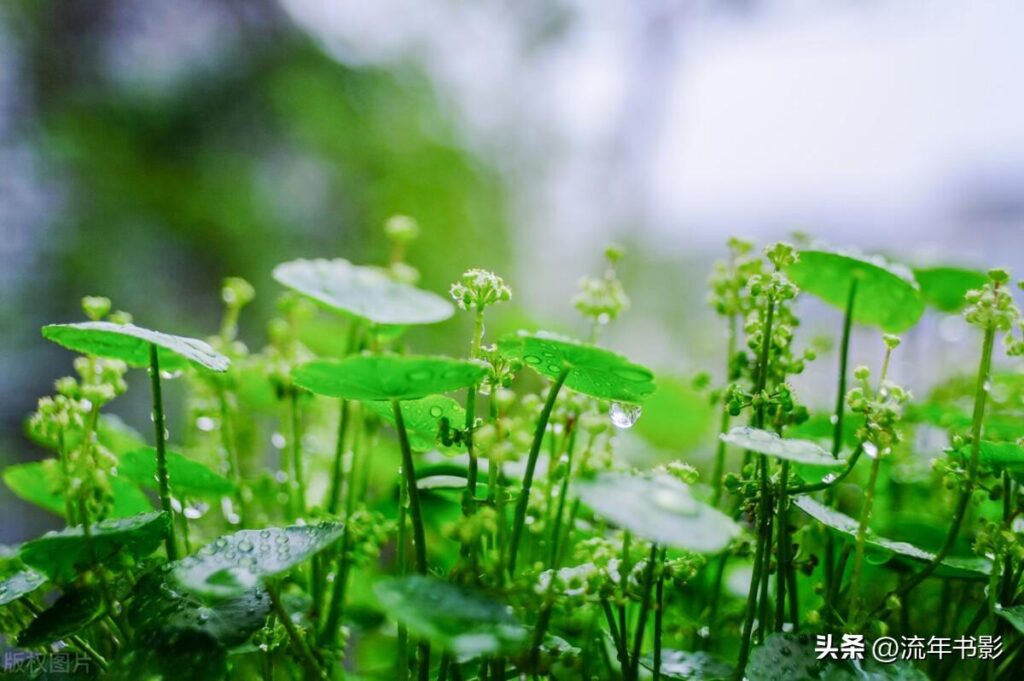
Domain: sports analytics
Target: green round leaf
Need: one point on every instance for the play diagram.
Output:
(20, 584)
(386, 377)
(593, 371)
(847, 526)
(130, 344)
(364, 292)
(40, 483)
(188, 478)
(944, 287)
(684, 665)
(768, 443)
(62, 555)
(887, 296)
(658, 508)
(238, 562)
(452, 617)
(423, 420)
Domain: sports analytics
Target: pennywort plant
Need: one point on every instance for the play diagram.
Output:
(337, 505)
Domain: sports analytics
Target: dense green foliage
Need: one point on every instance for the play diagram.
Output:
(371, 513)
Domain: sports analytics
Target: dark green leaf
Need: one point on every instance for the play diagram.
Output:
(659, 508)
(387, 377)
(130, 344)
(887, 295)
(996, 456)
(452, 617)
(364, 292)
(189, 478)
(20, 584)
(238, 562)
(944, 287)
(40, 483)
(189, 655)
(848, 527)
(75, 609)
(684, 665)
(423, 419)
(593, 371)
(1014, 615)
(161, 610)
(768, 443)
(62, 555)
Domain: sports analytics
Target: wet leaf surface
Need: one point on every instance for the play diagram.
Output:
(593, 370)
(658, 508)
(63, 554)
(387, 377)
(887, 295)
(454, 618)
(188, 478)
(423, 420)
(235, 563)
(130, 344)
(768, 443)
(364, 292)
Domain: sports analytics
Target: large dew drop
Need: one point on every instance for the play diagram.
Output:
(624, 415)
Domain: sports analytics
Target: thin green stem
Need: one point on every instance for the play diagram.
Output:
(302, 649)
(980, 400)
(645, 607)
(763, 541)
(782, 543)
(856, 597)
(531, 464)
(409, 473)
(416, 517)
(295, 412)
(837, 437)
(338, 469)
(659, 614)
(161, 451)
(231, 449)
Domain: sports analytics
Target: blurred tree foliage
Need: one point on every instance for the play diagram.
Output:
(271, 150)
(259, 149)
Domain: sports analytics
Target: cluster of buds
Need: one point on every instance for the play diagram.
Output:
(992, 306)
(729, 282)
(603, 299)
(882, 408)
(478, 289)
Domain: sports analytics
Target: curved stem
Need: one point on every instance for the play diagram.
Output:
(302, 649)
(531, 464)
(980, 400)
(161, 451)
